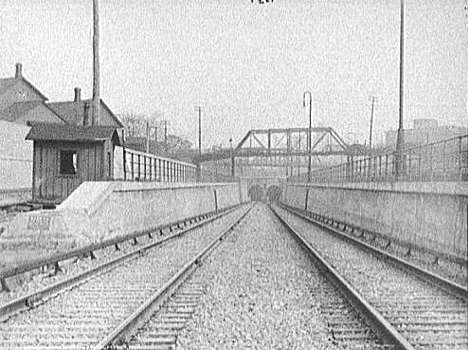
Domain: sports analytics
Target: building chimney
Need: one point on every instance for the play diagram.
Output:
(86, 116)
(77, 94)
(19, 68)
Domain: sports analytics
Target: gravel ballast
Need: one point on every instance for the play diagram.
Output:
(81, 316)
(427, 316)
(258, 293)
(29, 282)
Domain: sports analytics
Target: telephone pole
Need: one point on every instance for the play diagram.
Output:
(96, 95)
(400, 140)
(165, 135)
(198, 108)
(372, 99)
(309, 136)
(148, 129)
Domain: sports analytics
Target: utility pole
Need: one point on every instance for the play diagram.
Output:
(309, 138)
(400, 136)
(96, 96)
(147, 137)
(165, 135)
(198, 108)
(372, 99)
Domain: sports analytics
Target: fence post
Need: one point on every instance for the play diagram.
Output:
(460, 159)
(443, 162)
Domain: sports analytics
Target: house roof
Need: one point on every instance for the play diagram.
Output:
(18, 109)
(7, 83)
(73, 111)
(67, 132)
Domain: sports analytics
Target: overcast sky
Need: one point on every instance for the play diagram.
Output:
(247, 64)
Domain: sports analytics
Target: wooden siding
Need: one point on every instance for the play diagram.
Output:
(49, 184)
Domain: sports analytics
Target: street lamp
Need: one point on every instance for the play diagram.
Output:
(232, 157)
(309, 138)
(198, 108)
(373, 99)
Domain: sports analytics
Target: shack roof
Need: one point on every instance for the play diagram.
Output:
(74, 133)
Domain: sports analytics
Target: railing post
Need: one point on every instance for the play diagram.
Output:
(431, 156)
(444, 161)
(460, 159)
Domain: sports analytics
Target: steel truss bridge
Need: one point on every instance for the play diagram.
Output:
(262, 150)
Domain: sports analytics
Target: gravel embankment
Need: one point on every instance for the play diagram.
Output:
(258, 293)
(79, 317)
(29, 282)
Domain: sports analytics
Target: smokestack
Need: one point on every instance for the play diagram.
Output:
(86, 116)
(19, 70)
(77, 94)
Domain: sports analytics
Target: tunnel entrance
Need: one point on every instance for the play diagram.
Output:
(274, 193)
(256, 193)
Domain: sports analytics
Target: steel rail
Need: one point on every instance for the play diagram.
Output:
(374, 318)
(119, 334)
(32, 299)
(89, 249)
(421, 273)
(408, 245)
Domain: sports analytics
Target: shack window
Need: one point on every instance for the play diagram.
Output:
(68, 162)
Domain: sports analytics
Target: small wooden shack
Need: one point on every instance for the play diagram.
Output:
(66, 155)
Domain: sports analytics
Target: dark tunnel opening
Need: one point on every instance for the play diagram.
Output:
(256, 193)
(274, 193)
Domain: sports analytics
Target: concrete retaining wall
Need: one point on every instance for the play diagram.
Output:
(429, 215)
(15, 159)
(100, 210)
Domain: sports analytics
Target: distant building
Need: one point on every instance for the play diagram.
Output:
(18, 89)
(425, 131)
(69, 147)
(30, 111)
(21, 102)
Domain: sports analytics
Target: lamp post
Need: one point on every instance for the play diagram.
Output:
(309, 136)
(232, 158)
(198, 108)
(373, 99)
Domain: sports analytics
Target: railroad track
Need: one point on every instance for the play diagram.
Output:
(409, 307)
(159, 330)
(449, 267)
(77, 317)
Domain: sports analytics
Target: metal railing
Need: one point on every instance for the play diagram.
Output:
(445, 160)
